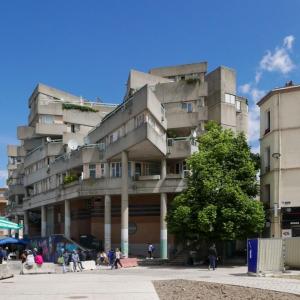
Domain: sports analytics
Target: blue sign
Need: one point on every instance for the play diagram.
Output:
(252, 251)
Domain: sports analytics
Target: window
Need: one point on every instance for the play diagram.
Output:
(238, 105)
(102, 170)
(92, 169)
(267, 159)
(116, 169)
(268, 121)
(230, 98)
(46, 119)
(267, 197)
(188, 106)
(139, 120)
(138, 169)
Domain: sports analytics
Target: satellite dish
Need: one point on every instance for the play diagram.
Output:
(48, 139)
(72, 145)
(194, 134)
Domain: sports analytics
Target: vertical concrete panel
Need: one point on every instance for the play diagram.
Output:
(270, 255)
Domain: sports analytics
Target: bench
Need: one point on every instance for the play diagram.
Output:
(5, 272)
(87, 265)
(129, 262)
(45, 268)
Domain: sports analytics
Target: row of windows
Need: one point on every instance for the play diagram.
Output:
(136, 122)
(45, 162)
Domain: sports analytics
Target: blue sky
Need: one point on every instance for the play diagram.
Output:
(88, 47)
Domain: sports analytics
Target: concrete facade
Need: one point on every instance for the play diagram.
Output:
(130, 160)
(280, 163)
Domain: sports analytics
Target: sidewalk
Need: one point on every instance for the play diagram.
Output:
(131, 283)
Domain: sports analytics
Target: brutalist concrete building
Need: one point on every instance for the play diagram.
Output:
(107, 171)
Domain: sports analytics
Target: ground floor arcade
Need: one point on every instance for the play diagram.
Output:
(101, 218)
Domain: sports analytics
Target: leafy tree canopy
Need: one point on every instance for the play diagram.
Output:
(218, 203)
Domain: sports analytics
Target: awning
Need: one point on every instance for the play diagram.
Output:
(10, 240)
(6, 224)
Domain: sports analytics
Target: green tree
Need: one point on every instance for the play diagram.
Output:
(218, 203)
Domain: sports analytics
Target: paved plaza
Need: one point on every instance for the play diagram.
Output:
(133, 283)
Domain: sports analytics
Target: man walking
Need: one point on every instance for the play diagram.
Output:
(212, 256)
(150, 251)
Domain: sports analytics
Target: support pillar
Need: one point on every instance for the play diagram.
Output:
(107, 223)
(163, 226)
(26, 223)
(124, 205)
(43, 221)
(67, 219)
(163, 171)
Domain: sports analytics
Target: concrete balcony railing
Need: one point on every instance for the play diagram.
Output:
(144, 133)
(50, 108)
(15, 151)
(187, 119)
(25, 132)
(102, 186)
(16, 189)
(50, 129)
(44, 150)
(181, 147)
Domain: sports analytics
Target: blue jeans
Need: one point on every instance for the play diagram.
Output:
(212, 261)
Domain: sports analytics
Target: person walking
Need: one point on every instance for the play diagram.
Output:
(1, 255)
(75, 260)
(150, 250)
(212, 256)
(118, 259)
(82, 257)
(111, 258)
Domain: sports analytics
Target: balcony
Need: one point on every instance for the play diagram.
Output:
(50, 129)
(143, 142)
(25, 132)
(181, 147)
(102, 186)
(186, 119)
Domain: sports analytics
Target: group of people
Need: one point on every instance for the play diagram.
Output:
(31, 257)
(76, 257)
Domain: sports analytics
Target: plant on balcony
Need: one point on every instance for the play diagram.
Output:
(219, 202)
(192, 80)
(79, 107)
(70, 178)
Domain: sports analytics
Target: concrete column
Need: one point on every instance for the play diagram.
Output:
(26, 223)
(163, 172)
(124, 205)
(43, 221)
(107, 223)
(163, 226)
(67, 219)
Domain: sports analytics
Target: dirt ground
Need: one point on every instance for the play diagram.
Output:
(192, 290)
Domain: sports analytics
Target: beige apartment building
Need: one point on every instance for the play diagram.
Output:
(3, 206)
(280, 163)
(111, 171)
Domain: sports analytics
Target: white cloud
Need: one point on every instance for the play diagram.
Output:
(245, 88)
(256, 94)
(288, 41)
(3, 176)
(253, 123)
(258, 76)
(279, 60)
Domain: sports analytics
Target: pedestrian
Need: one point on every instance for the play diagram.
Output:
(66, 260)
(111, 258)
(29, 260)
(5, 252)
(212, 256)
(82, 257)
(75, 260)
(38, 259)
(118, 259)
(150, 250)
(1, 255)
